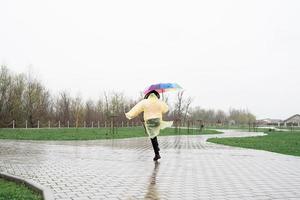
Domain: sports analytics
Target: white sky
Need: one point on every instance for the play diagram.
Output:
(241, 54)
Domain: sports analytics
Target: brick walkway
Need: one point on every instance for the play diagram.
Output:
(190, 168)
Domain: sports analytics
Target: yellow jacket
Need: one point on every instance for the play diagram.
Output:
(152, 108)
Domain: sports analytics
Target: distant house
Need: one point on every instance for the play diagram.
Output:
(293, 120)
(269, 121)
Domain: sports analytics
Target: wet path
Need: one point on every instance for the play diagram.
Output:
(190, 168)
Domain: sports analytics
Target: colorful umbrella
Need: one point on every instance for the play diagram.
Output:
(163, 87)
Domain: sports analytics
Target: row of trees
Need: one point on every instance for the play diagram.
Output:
(233, 117)
(25, 99)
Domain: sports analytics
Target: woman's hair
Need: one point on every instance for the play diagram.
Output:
(154, 92)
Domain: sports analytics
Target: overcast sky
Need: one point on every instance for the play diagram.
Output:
(241, 54)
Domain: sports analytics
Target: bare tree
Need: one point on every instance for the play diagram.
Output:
(5, 91)
(182, 106)
(90, 111)
(106, 102)
(187, 105)
(100, 110)
(221, 117)
(36, 101)
(241, 116)
(63, 107)
(179, 106)
(77, 110)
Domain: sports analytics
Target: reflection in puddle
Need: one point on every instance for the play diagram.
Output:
(152, 192)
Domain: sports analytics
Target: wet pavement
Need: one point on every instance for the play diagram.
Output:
(190, 168)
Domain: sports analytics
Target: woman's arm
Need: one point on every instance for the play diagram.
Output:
(135, 111)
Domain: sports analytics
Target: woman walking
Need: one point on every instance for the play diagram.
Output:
(153, 109)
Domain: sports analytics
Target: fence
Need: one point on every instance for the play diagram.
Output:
(70, 124)
(190, 126)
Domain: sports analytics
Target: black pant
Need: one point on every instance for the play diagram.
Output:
(155, 145)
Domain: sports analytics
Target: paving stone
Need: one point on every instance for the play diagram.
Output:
(190, 168)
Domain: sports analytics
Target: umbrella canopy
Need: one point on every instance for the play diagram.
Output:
(163, 87)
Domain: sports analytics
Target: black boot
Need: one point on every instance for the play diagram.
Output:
(157, 156)
(155, 145)
(155, 148)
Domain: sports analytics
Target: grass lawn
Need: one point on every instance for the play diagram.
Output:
(239, 128)
(14, 191)
(87, 133)
(279, 142)
(229, 127)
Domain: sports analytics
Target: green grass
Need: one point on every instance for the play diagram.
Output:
(237, 128)
(14, 191)
(290, 128)
(228, 127)
(86, 133)
(279, 142)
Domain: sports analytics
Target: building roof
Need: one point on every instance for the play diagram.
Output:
(294, 118)
(269, 121)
